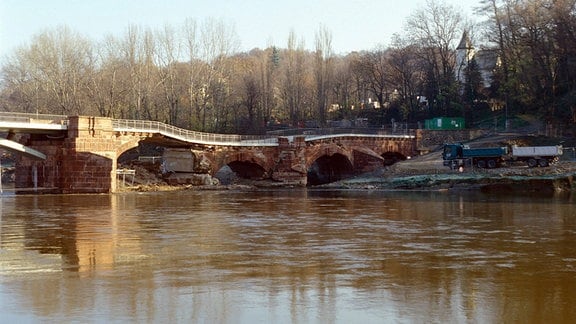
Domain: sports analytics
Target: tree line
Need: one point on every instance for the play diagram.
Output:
(193, 75)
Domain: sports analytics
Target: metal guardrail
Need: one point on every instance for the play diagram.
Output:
(313, 138)
(378, 131)
(12, 117)
(127, 125)
(145, 126)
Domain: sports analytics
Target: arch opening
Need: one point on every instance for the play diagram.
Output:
(392, 157)
(240, 169)
(328, 169)
(145, 163)
(247, 170)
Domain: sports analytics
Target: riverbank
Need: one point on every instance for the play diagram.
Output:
(427, 172)
(423, 173)
(557, 178)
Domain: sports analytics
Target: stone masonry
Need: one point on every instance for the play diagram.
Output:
(84, 159)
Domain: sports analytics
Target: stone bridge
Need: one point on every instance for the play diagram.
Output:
(81, 153)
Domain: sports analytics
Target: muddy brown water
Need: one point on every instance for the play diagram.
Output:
(288, 256)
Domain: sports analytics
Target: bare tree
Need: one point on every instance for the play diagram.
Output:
(251, 94)
(436, 28)
(20, 90)
(109, 87)
(406, 75)
(138, 52)
(360, 86)
(254, 81)
(54, 70)
(564, 16)
(167, 57)
(536, 44)
(294, 81)
(269, 67)
(323, 71)
(343, 88)
(208, 47)
(375, 68)
(194, 86)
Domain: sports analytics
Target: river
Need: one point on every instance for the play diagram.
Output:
(288, 256)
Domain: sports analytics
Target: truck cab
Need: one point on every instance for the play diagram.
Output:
(453, 151)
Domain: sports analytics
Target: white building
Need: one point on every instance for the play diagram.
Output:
(487, 61)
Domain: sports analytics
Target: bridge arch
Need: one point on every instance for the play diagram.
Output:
(126, 143)
(246, 163)
(247, 170)
(314, 152)
(328, 169)
(327, 163)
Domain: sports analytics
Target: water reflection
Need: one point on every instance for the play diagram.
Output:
(288, 256)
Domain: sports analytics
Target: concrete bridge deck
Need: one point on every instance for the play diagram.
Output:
(21, 149)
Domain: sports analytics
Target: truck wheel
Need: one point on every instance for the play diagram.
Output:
(543, 163)
(532, 163)
(454, 165)
(491, 164)
(481, 164)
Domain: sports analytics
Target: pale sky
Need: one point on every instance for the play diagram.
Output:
(354, 24)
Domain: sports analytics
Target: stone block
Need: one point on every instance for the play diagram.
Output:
(178, 160)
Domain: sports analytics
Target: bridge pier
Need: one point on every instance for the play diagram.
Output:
(82, 161)
(89, 157)
(291, 161)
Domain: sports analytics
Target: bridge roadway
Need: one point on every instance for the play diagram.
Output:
(79, 154)
(58, 124)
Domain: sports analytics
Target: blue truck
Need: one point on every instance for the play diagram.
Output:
(459, 155)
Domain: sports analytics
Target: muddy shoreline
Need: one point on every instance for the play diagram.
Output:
(432, 175)
(473, 181)
(422, 175)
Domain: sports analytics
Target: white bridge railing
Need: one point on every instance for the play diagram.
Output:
(33, 119)
(126, 125)
(9, 120)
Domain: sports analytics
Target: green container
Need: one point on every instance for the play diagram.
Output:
(444, 123)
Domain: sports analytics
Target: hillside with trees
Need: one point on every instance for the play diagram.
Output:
(193, 76)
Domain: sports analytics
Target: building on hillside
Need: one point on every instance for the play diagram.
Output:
(487, 61)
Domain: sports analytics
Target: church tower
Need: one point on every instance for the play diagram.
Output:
(464, 54)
